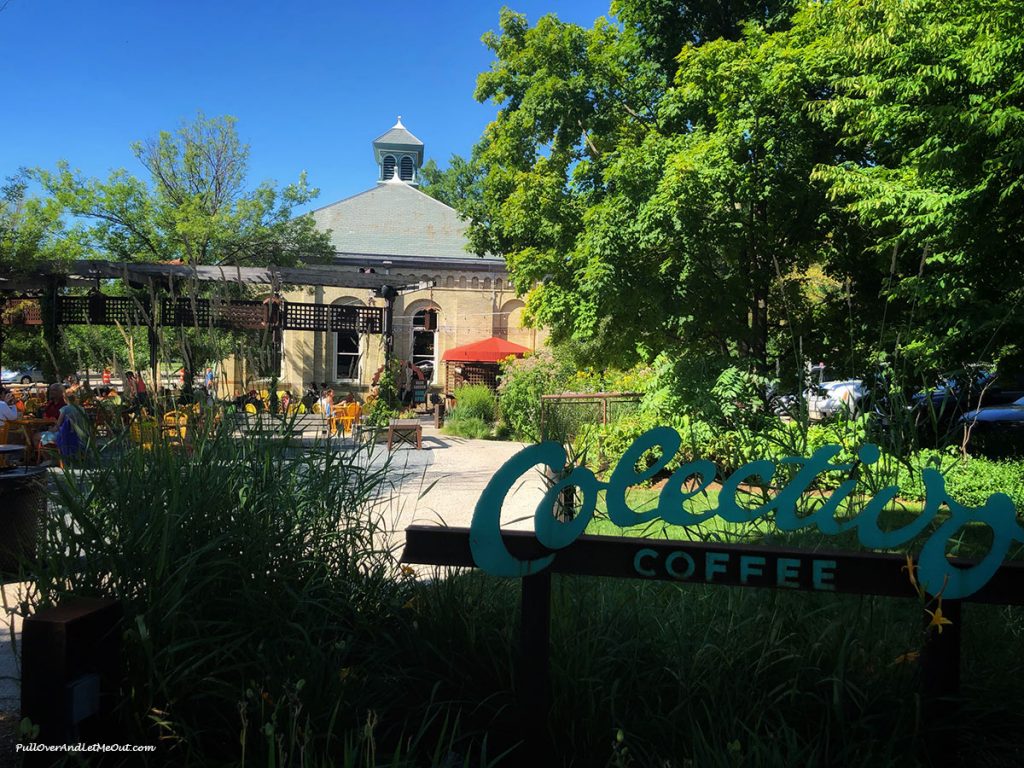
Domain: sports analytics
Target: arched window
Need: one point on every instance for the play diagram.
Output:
(348, 348)
(424, 341)
(389, 167)
(405, 169)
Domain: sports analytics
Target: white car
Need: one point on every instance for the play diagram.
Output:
(29, 375)
(827, 398)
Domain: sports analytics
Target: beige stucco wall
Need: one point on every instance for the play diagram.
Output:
(471, 306)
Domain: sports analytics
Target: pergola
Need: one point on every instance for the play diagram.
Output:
(35, 298)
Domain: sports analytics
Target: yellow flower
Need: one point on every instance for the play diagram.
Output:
(907, 658)
(938, 620)
(408, 570)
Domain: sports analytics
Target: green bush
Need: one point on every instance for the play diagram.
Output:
(467, 426)
(476, 401)
(522, 384)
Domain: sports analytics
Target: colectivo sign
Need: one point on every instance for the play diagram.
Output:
(741, 565)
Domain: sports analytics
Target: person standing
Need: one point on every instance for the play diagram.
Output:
(141, 394)
(128, 388)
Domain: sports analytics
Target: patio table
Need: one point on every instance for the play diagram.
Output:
(408, 431)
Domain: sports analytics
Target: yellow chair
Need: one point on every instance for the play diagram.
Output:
(174, 426)
(144, 432)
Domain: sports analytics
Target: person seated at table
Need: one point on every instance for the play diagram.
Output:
(71, 384)
(109, 397)
(8, 410)
(326, 401)
(67, 433)
(54, 401)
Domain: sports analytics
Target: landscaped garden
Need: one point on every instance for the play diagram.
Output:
(756, 237)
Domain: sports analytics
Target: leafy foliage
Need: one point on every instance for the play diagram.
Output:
(756, 184)
(194, 208)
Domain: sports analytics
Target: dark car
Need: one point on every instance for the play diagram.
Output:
(996, 431)
(941, 408)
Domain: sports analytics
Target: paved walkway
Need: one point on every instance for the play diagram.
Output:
(441, 483)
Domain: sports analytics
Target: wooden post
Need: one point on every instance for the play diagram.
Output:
(70, 677)
(535, 666)
(940, 684)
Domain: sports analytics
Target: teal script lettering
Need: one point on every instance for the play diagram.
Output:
(935, 572)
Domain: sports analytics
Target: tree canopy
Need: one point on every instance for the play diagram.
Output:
(842, 178)
(194, 207)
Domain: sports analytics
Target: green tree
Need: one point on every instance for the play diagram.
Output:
(928, 100)
(195, 207)
(29, 226)
(457, 186)
(641, 217)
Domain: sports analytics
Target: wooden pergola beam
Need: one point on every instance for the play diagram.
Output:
(79, 271)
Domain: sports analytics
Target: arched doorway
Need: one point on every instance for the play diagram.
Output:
(423, 344)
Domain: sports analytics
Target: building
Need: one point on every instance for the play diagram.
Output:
(395, 229)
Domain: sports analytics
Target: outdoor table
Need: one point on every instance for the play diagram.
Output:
(405, 431)
(9, 449)
(29, 428)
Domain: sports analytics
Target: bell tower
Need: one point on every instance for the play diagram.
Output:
(399, 155)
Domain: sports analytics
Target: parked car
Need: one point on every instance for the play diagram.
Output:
(827, 398)
(995, 431)
(944, 405)
(24, 375)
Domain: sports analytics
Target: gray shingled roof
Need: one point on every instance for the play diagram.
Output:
(394, 219)
(397, 134)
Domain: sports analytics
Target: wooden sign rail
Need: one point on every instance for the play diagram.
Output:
(733, 565)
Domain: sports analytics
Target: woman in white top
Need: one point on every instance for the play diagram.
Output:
(8, 411)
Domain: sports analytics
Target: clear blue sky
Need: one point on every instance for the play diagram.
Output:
(312, 84)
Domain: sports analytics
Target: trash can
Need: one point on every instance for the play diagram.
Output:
(22, 506)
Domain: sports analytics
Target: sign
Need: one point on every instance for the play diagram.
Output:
(936, 573)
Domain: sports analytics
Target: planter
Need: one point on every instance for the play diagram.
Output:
(23, 491)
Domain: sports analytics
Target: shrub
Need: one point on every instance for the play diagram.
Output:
(260, 595)
(467, 426)
(476, 401)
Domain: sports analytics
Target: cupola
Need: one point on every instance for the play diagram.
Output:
(399, 155)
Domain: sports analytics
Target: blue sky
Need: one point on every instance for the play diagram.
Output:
(312, 84)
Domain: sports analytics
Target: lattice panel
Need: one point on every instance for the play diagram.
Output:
(202, 313)
(297, 316)
(359, 319)
(25, 311)
(190, 313)
(98, 309)
(249, 315)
